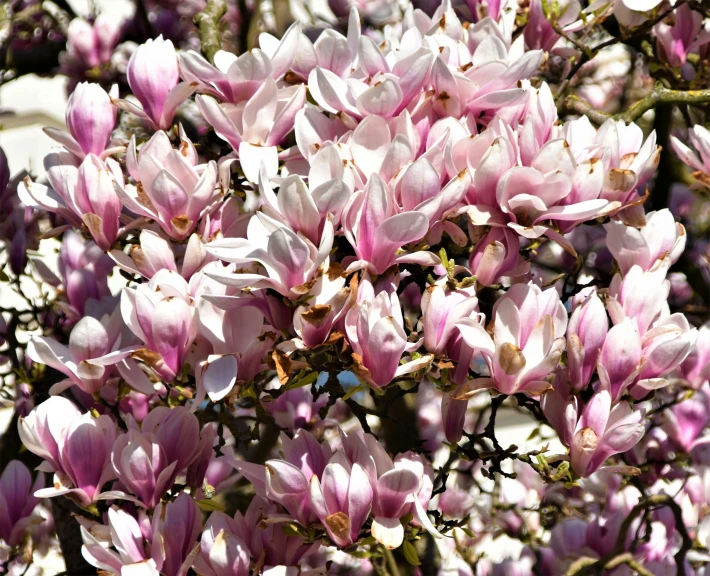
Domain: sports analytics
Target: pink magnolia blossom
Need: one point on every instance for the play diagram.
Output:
(287, 481)
(84, 270)
(528, 328)
(256, 128)
(586, 334)
(235, 329)
(296, 408)
(92, 351)
(699, 137)
(496, 254)
(171, 187)
(602, 431)
(342, 499)
(148, 460)
(176, 527)
(539, 33)
(153, 76)
(675, 41)
(687, 421)
(375, 329)
(90, 118)
(76, 447)
(126, 536)
(82, 193)
(659, 243)
(376, 231)
(93, 44)
(17, 501)
(640, 296)
(332, 298)
(161, 314)
(289, 260)
(235, 78)
(695, 369)
(222, 551)
(442, 308)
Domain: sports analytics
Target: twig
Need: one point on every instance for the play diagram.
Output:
(208, 23)
(579, 106)
(658, 96)
(662, 95)
(391, 562)
(587, 566)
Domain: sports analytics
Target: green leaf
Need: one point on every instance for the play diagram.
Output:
(210, 505)
(410, 553)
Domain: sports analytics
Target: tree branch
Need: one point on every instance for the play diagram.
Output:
(658, 96)
(579, 106)
(208, 23)
(588, 566)
(662, 95)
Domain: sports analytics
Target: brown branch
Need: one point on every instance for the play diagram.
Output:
(657, 97)
(208, 22)
(579, 106)
(662, 95)
(587, 566)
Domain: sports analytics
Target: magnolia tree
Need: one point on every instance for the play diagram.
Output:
(280, 285)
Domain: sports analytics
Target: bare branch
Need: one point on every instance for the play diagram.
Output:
(208, 23)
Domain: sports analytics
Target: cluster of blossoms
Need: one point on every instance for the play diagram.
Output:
(297, 286)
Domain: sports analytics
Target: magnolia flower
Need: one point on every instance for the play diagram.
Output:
(695, 369)
(151, 254)
(235, 78)
(441, 309)
(496, 254)
(175, 527)
(389, 89)
(540, 34)
(699, 137)
(148, 460)
(170, 187)
(620, 359)
(161, 314)
(296, 408)
(376, 231)
(83, 194)
(76, 447)
(664, 347)
(289, 260)
(88, 359)
(234, 328)
(92, 44)
(686, 422)
(586, 333)
(640, 296)
(676, 39)
(304, 211)
(660, 242)
(602, 432)
(90, 118)
(17, 501)
(126, 536)
(222, 551)
(255, 129)
(84, 270)
(288, 481)
(528, 339)
(375, 329)
(153, 76)
(342, 499)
